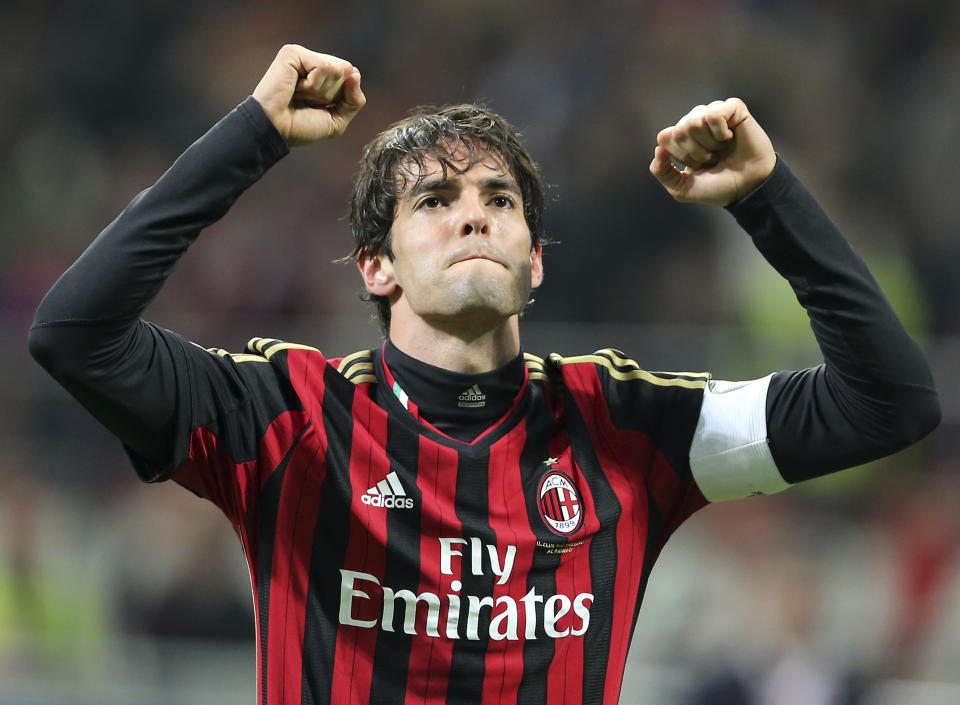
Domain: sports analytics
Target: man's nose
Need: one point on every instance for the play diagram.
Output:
(473, 216)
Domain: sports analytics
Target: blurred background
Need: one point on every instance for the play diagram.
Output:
(845, 590)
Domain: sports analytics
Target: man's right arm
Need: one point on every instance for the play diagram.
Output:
(87, 332)
(131, 375)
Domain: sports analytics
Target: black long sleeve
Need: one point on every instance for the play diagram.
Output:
(87, 332)
(874, 394)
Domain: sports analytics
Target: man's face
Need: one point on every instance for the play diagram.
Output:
(462, 248)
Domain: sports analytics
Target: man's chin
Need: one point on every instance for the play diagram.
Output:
(481, 308)
(493, 296)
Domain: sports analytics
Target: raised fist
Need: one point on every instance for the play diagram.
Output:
(309, 96)
(724, 151)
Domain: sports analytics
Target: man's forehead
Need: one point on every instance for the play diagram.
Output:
(413, 172)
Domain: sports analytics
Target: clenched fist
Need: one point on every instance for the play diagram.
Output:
(309, 96)
(725, 153)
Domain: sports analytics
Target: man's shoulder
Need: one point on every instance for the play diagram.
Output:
(612, 365)
(285, 357)
(357, 367)
(617, 394)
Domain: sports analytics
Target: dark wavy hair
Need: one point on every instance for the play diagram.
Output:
(394, 161)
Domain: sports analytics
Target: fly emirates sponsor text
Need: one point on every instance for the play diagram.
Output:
(510, 618)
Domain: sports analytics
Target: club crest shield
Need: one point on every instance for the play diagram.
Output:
(559, 502)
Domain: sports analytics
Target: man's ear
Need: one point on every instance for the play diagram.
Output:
(536, 266)
(377, 273)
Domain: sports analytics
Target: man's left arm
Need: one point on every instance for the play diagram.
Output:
(874, 394)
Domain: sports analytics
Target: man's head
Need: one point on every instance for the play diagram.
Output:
(438, 149)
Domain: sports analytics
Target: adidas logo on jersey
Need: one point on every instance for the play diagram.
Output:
(472, 398)
(388, 493)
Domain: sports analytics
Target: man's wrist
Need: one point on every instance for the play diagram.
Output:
(264, 130)
(772, 179)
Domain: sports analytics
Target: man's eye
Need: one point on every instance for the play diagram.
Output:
(430, 202)
(503, 201)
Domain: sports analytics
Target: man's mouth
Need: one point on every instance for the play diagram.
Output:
(466, 257)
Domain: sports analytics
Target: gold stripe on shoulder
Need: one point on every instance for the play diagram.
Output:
(558, 359)
(237, 357)
(672, 382)
(532, 361)
(358, 367)
(622, 361)
(248, 358)
(274, 348)
(255, 345)
(632, 374)
(353, 356)
(535, 368)
(618, 359)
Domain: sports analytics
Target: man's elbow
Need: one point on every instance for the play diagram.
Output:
(918, 414)
(928, 415)
(45, 348)
(62, 350)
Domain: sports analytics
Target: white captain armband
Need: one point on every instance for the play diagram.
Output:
(730, 456)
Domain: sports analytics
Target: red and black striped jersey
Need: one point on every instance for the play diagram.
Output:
(392, 563)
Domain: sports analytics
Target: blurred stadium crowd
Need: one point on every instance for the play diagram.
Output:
(843, 591)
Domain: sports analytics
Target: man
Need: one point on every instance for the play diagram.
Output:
(446, 518)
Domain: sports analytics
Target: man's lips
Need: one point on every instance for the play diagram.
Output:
(473, 257)
(466, 257)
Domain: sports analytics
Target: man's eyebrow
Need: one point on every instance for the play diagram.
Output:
(492, 183)
(500, 184)
(425, 185)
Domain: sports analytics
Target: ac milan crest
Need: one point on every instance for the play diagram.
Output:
(560, 504)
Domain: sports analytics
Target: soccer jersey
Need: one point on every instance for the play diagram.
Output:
(392, 562)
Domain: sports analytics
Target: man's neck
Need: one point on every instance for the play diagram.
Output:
(461, 405)
(458, 350)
